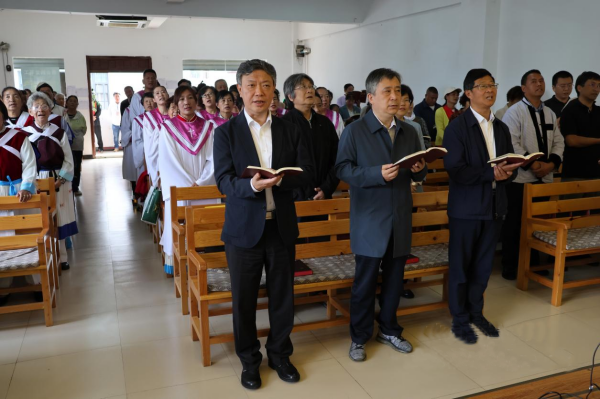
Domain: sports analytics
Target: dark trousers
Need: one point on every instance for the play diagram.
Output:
(362, 304)
(98, 132)
(245, 267)
(471, 254)
(77, 159)
(511, 230)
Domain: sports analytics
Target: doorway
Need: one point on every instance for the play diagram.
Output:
(108, 75)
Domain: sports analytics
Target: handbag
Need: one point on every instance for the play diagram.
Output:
(152, 206)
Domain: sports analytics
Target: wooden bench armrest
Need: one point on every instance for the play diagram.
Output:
(549, 223)
(178, 227)
(196, 260)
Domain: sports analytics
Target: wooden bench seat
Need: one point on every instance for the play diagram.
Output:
(332, 263)
(545, 230)
(28, 252)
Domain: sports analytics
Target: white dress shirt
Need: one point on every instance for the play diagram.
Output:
(487, 127)
(263, 142)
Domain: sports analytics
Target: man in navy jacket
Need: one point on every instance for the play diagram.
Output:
(477, 203)
(380, 210)
(261, 226)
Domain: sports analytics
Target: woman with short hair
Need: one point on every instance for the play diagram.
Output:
(226, 102)
(17, 110)
(207, 100)
(55, 160)
(185, 158)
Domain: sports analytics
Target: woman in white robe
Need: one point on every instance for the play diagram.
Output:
(152, 122)
(39, 107)
(185, 159)
(17, 175)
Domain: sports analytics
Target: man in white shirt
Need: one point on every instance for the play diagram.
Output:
(261, 226)
(114, 111)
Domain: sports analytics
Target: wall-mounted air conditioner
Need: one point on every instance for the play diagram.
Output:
(109, 21)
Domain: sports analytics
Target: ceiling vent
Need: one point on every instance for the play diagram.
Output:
(108, 21)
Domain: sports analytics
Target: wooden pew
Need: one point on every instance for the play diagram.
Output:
(28, 252)
(562, 237)
(332, 263)
(47, 186)
(437, 177)
(177, 224)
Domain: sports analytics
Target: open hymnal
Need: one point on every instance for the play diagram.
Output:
(511, 158)
(269, 173)
(429, 155)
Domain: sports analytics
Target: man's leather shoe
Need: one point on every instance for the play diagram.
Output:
(251, 379)
(465, 333)
(286, 371)
(408, 294)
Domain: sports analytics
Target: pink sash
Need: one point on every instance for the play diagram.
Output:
(331, 114)
(190, 135)
(139, 120)
(207, 115)
(156, 118)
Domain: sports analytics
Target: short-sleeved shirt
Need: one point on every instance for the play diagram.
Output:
(579, 120)
(555, 105)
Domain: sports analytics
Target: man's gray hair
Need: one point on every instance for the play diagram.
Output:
(247, 67)
(59, 95)
(294, 80)
(377, 76)
(38, 95)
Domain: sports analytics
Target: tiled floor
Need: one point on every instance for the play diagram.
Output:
(119, 333)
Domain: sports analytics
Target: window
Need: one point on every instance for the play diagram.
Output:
(30, 72)
(208, 71)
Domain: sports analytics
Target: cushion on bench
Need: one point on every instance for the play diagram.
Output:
(584, 238)
(335, 268)
(16, 259)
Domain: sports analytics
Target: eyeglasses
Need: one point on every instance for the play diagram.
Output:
(305, 88)
(493, 86)
(208, 95)
(594, 85)
(565, 86)
(40, 108)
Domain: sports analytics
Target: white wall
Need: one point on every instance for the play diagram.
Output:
(435, 43)
(72, 37)
(549, 35)
(430, 43)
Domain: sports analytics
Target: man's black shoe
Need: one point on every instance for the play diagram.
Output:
(486, 327)
(286, 371)
(65, 266)
(251, 379)
(465, 333)
(408, 294)
(508, 274)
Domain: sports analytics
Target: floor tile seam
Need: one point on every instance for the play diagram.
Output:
(524, 379)
(80, 316)
(351, 376)
(176, 300)
(12, 376)
(67, 354)
(152, 340)
(187, 383)
(449, 363)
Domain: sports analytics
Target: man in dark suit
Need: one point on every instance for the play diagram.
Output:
(260, 219)
(380, 210)
(477, 203)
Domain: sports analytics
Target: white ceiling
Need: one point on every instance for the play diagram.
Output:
(331, 11)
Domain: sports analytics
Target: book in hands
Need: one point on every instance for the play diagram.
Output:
(301, 269)
(511, 158)
(412, 259)
(268, 173)
(429, 155)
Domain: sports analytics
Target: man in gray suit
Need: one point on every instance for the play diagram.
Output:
(380, 210)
